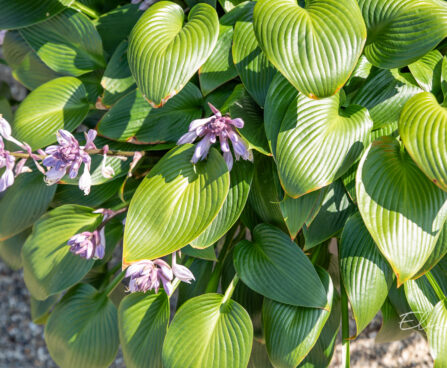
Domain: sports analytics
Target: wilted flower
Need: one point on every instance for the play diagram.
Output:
(149, 275)
(145, 4)
(216, 126)
(88, 244)
(181, 272)
(68, 156)
(7, 161)
(106, 170)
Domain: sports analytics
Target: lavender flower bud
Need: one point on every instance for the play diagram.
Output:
(106, 170)
(88, 245)
(181, 272)
(7, 161)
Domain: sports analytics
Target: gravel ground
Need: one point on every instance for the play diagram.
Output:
(22, 344)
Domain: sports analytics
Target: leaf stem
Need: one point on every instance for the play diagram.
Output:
(346, 362)
(115, 282)
(434, 284)
(230, 289)
(85, 9)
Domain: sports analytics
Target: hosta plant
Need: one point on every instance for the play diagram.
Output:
(216, 184)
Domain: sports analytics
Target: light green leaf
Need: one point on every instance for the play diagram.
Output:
(143, 322)
(132, 119)
(11, 248)
(240, 181)
(423, 128)
(228, 5)
(427, 72)
(174, 204)
(164, 53)
(58, 104)
(82, 331)
(366, 275)
(437, 334)
(209, 331)
(23, 204)
(291, 332)
(68, 43)
(437, 254)
(49, 266)
(332, 35)
(403, 211)
(402, 31)
(274, 266)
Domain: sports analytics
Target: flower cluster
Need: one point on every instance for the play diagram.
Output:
(150, 275)
(145, 4)
(216, 126)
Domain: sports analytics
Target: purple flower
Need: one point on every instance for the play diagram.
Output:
(67, 157)
(145, 4)
(7, 161)
(181, 272)
(106, 170)
(217, 126)
(149, 275)
(2, 36)
(88, 244)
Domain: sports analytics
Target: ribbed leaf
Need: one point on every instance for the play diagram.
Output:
(208, 254)
(40, 309)
(259, 357)
(133, 119)
(228, 5)
(392, 328)
(402, 209)
(26, 66)
(427, 72)
(174, 204)
(423, 128)
(11, 248)
(49, 266)
(366, 275)
(59, 104)
(255, 70)
(318, 142)
(143, 322)
(240, 181)
(208, 331)
(274, 266)
(437, 254)
(437, 334)
(68, 43)
(219, 67)
(320, 61)
(24, 203)
(23, 13)
(291, 332)
(82, 331)
(164, 53)
(402, 31)
(117, 80)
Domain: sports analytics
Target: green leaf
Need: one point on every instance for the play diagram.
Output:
(291, 332)
(5, 108)
(82, 331)
(366, 275)
(274, 266)
(427, 72)
(23, 204)
(252, 65)
(318, 142)
(201, 270)
(40, 309)
(26, 66)
(403, 211)
(11, 248)
(240, 181)
(219, 67)
(402, 31)
(143, 322)
(437, 334)
(58, 104)
(423, 127)
(332, 35)
(117, 79)
(68, 43)
(331, 218)
(259, 357)
(23, 13)
(392, 328)
(174, 204)
(132, 119)
(209, 331)
(208, 254)
(437, 254)
(164, 53)
(49, 266)
(228, 5)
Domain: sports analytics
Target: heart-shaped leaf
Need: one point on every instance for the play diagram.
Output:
(318, 142)
(291, 332)
(164, 53)
(11, 248)
(82, 330)
(423, 128)
(209, 331)
(437, 334)
(23, 13)
(49, 266)
(174, 204)
(143, 322)
(366, 275)
(274, 266)
(331, 38)
(68, 43)
(400, 32)
(59, 104)
(240, 181)
(403, 211)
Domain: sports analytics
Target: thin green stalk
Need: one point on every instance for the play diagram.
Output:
(346, 361)
(230, 289)
(86, 10)
(115, 282)
(434, 284)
